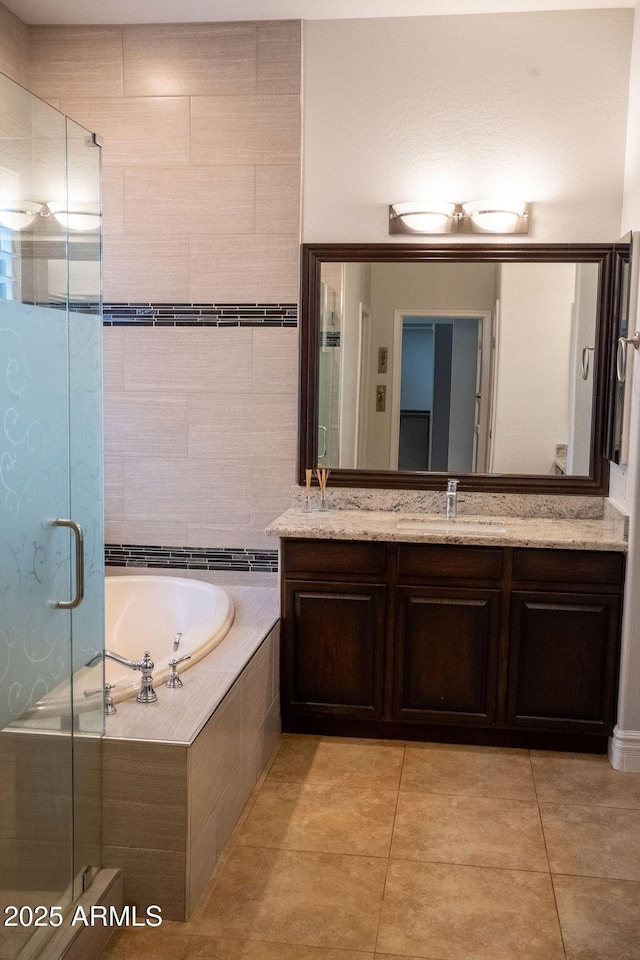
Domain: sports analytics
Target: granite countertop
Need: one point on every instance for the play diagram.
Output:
(378, 525)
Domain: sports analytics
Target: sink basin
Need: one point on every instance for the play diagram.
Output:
(456, 527)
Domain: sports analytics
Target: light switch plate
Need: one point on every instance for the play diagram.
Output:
(381, 398)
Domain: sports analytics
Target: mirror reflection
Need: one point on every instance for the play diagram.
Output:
(457, 367)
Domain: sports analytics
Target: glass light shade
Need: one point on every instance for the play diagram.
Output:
(83, 216)
(18, 214)
(495, 217)
(425, 217)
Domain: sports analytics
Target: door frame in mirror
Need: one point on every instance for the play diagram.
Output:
(607, 255)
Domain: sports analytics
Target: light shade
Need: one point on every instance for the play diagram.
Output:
(497, 216)
(19, 214)
(83, 216)
(421, 217)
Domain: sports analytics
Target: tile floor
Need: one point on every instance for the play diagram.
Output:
(363, 849)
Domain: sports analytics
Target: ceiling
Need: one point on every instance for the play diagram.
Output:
(188, 11)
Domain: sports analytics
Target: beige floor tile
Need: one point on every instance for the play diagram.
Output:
(583, 778)
(471, 830)
(461, 770)
(375, 763)
(592, 841)
(145, 942)
(285, 896)
(322, 817)
(600, 919)
(207, 948)
(452, 912)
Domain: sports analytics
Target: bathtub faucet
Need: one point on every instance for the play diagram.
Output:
(147, 694)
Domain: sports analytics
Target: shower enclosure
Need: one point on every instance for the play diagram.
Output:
(50, 470)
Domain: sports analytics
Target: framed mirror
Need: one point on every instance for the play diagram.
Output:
(492, 363)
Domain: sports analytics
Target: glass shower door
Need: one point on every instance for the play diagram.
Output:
(49, 426)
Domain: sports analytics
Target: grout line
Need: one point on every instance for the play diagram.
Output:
(544, 838)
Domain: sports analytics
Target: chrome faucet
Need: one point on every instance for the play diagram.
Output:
(451, 501)
(147, 694)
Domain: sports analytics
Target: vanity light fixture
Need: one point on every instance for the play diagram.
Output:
(422, 217)
(473, 216)
(497, 216)
(83, 216)
(19, 214)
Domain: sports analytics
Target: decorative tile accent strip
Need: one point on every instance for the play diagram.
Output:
(191, 558)
(201, 314)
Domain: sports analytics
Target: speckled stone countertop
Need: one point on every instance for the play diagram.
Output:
(607, 533)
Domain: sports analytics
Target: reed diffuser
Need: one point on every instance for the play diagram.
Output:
(306, 503)
(323, 475)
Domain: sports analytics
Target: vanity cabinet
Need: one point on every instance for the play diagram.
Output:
(334, 606)
(499, 645)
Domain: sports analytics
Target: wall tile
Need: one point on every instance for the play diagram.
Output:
(259, 269)
(14, 46)
(142, 532)
(113, 487)
(204, 58)
(143, 425)
(113, 349)
(75, 61)
(245, 129)
(136, 130)
(212, 760)
(201, 860)
(278, 199)
(150, 876)
(271, 482)
(189, 199)
(279, 51)
(256, 425)
(275, 362)
(190, 491)
(112, 200)
(130, 804)
(211, 535)
(212, 360)
(146, 269)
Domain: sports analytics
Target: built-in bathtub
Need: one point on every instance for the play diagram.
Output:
(170, 617)
(185, 766)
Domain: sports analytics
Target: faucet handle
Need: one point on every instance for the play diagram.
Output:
(173, 680)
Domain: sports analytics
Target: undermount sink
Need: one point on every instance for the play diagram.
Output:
(457, 527)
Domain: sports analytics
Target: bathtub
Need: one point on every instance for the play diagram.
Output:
(147, 613)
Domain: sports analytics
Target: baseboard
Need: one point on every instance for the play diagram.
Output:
(624, 750)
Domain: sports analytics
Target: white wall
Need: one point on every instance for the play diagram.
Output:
(532, 390)
(625, 482)
(460, 106)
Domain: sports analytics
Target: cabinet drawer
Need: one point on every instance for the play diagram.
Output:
(569, 566)
(333, 557)
(434, 562)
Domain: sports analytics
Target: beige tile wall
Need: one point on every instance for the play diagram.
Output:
(14, 46)
(201, 184)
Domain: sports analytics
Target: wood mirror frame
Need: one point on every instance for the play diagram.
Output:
(609, 258)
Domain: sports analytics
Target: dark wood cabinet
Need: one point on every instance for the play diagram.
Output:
(562, 660)
(447, 653)
(333, 651)
(437, 642)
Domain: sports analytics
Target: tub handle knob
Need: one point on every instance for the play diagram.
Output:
(173, 680)
(109, 705)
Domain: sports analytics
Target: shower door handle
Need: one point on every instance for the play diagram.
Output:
(77, 600)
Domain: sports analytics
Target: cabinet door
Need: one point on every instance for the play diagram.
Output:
(333, 649)
(562, 670)
(446, 655)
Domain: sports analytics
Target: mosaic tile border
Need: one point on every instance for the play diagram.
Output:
(240, 559)
(200, 314)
